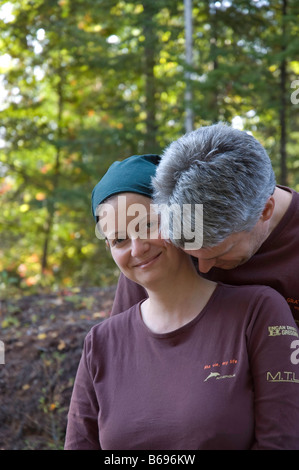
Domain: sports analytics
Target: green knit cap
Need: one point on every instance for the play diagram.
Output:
(134, 175)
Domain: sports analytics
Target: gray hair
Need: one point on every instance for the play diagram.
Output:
(226, 170)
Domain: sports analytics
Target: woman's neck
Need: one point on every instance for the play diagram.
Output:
(177, 301)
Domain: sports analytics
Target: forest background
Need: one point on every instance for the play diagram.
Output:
(87, 82)
(84, 83)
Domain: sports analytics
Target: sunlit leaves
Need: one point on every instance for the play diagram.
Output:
(87, 82)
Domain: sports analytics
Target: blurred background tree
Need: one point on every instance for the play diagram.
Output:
(87, 82)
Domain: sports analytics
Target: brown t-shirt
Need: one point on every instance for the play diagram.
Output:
(276, 264)
(229, 379)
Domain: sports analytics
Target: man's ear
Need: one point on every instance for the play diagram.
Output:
(268, 209)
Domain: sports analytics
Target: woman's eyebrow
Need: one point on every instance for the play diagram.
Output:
(114, 235)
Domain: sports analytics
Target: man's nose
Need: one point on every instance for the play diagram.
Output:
(138, 246)
(204, 265)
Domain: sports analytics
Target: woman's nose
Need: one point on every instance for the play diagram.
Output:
(138, 246)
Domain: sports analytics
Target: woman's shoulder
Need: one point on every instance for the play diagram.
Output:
(114, 324)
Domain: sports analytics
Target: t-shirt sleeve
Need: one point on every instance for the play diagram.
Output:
(273, 351)
(128, 293)
(82, 431)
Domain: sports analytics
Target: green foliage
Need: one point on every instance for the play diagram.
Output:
(88, 82)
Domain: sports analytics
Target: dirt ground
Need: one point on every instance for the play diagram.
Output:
(43, 338)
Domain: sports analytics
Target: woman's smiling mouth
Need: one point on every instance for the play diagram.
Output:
(147, 262)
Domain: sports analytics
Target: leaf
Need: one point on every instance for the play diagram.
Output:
(100, 314)
(61, 345)
(42, 336)
(40, 196)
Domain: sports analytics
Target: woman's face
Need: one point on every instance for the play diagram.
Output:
(131, 228)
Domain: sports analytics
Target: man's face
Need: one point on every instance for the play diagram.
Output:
(235, 250)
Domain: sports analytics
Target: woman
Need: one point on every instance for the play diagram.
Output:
(196, 365)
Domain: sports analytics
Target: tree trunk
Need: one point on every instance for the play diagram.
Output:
(150, 141)
(189, 62)
(283, 103)
(51, 202)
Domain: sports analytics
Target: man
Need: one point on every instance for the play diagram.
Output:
(250, 225)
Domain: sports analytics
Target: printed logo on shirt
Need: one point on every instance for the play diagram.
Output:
(212, 368)
(282, 377)
(217, 376)
(281, 330)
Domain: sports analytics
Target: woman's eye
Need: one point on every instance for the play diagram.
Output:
(153, 225)
(118, 241)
